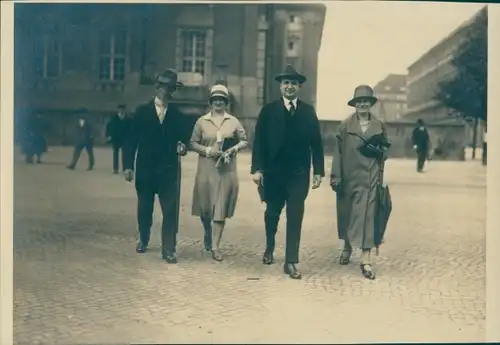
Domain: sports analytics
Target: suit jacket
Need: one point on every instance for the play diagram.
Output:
(118, 129)
(155, 142)
(420, 138)
(84, 135)
(270, 134)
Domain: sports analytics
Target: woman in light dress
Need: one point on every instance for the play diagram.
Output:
(217, 138)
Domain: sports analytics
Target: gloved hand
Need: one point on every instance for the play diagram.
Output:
(335, 184)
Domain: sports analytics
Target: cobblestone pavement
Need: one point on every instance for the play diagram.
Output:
(78, 279)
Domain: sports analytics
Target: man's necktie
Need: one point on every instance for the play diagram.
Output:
(292, 108)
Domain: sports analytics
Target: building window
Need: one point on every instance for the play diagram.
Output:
(52, 58)
(112, 56)
(261, 65)
(292, 19)
(290, 45)
(194, 51)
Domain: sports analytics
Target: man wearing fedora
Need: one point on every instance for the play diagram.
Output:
(287, 134)
(357, 173)
(84, 139)
(159, 133)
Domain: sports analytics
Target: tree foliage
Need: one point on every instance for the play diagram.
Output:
(466, 91)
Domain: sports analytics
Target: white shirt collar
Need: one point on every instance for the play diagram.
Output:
(287, 102)
(208, 115)
(158, 103)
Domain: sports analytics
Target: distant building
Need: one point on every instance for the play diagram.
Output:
(425, 74)
(69, 56)
(391, 94)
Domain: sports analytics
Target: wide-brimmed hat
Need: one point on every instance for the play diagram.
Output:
(219, 90)
(362, 92)
(169, 78)
(291, 74)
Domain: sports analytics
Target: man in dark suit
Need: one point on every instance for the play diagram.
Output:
(159, 133)
(116, 131)
(421, 143)
(35, 144)
(286, 133)
(84, 139)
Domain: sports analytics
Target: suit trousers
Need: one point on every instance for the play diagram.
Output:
(290, 189)
(165, 186)
(78, 151)
(421, 157)
(116, 154)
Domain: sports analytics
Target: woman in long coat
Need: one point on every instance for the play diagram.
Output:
(217, 138)
(356, 175)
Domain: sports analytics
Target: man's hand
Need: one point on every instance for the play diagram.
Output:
(108, 139)
(129, 175)
(414, 147)
(258, 178)
(316, 181)
(181, 149)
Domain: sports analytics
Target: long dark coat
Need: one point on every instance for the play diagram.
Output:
(155, 144)
(421, 138)
(358, 178)
(35, 142)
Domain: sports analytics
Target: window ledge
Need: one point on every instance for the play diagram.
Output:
(110, 85)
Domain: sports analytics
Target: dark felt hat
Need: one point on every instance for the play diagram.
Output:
(169, 78)
(362, 92)
(291, 74)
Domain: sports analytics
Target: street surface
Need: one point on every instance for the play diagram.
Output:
(77, 278)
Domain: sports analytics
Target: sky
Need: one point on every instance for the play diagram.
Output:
(364, 41)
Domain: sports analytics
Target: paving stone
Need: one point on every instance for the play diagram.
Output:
(77, 278)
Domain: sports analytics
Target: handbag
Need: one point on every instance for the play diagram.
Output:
(227, 143)
(374, 147)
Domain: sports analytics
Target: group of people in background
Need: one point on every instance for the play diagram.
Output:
(287, 148)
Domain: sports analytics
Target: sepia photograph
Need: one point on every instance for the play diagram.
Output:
(249, 172)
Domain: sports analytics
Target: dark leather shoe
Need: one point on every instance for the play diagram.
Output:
(141, 248)
(367, 272)
(268, 258)
(292, 271)
(170, 258)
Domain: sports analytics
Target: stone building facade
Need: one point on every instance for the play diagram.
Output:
(391, 94)
(96, 56)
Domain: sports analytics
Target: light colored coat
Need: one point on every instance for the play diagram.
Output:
(215, 191)
(358, 178)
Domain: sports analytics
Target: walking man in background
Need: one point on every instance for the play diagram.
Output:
(286, 133)
(421, 143)
(84, 139)
(35, 144)
(159, 133)
(117, 129)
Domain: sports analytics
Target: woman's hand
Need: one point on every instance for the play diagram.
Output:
(231, 151)
(214, 154)
(335, 184)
